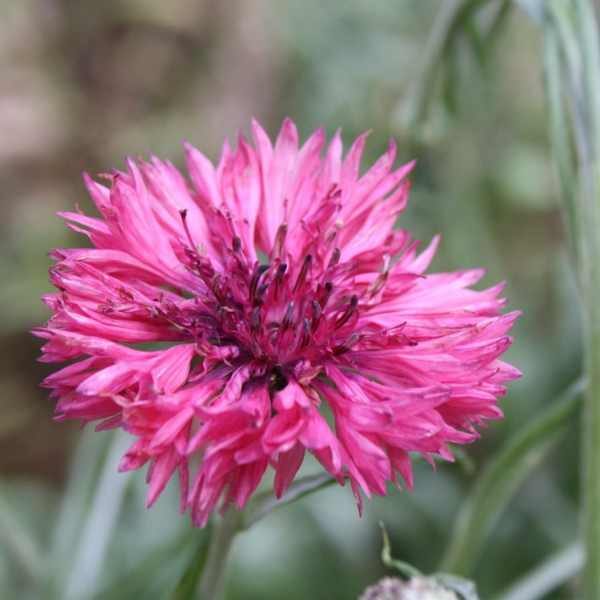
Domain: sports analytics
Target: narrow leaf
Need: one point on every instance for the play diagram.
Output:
(559, 132)
(142, 576)
(264, 503)
(19, 541)
(101, 519)
(501, 479)
(534, 8)
(186, 588)
(552, 573)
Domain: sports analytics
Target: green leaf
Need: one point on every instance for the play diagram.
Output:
(464, 461)
(452, 22)
(85, 468)
(573, 28)
(560, 138)
(496, 25)
(142, 577)
(264, 503)
(501, 479)
(534, 8)
(19, 541)
(552, 573)
(88, 553)
(474, 38)
(188, 584)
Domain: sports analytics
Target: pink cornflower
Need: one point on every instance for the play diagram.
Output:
(287, 316)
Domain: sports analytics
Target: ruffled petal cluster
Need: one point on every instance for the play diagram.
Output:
(266, 308)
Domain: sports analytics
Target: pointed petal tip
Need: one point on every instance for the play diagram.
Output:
(361, 140)
(288, 132)
(132, 164)
(288, 122)
(40, 332)
(257, 127)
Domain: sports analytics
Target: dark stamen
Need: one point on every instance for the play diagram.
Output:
(280, 240)
(258, 296)
(259, 271)
(281, 269)
(348, 312)
(325, 294)
(183, 214)
(306, 328)
(288, 317)
(335, 257)
(201, 264)
(379, 283)
(303, 271)
(316, 314)
(255, 320)
(347, 345)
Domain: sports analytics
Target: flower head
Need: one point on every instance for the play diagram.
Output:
(287, 315)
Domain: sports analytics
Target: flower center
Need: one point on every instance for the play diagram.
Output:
(276, 314)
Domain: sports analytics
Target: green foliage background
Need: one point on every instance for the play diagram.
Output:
(84, 84)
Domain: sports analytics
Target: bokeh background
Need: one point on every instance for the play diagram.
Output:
(84, 84)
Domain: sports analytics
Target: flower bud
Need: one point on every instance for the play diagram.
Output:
(417, 588)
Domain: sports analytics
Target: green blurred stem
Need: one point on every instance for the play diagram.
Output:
(233, 522)
(212, 570)
(501, 479)
(452, 19)
(438, 42)
(552, 573)
(585, 103)
(213, 574)
(19, 541)
(265, 503)
(88, 553)
(591, 446)
(405, 569)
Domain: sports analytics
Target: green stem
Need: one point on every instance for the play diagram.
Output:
(209, 567)
(450, 20)
(591, 438)
(211, 584)
(438, 44)
(586, 29)
(571, 31)
(18, 540)
(265, 503)
(502, 477)
(405, 569)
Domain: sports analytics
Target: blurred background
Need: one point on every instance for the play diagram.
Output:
(85, 84)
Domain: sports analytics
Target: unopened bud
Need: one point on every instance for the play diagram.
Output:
(417, 588)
